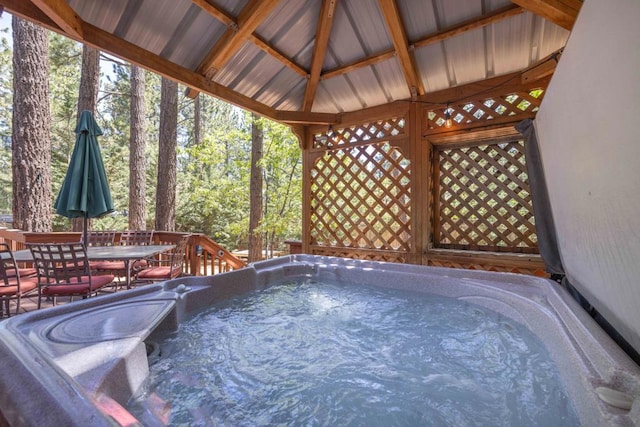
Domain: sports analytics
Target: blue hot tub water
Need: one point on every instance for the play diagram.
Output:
(319, 353)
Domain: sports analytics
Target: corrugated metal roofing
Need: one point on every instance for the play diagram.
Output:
(184, 33)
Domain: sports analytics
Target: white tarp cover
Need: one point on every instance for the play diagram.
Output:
(589, 133)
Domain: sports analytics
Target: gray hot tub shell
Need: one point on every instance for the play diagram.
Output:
(78, 364)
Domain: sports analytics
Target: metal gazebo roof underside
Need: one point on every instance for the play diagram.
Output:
(308, 61)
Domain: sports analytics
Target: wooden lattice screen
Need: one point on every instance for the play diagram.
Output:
(470, 114)
(364, 133)
(361, 192)
(482, 199)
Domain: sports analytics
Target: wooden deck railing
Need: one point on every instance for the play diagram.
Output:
(204, 256)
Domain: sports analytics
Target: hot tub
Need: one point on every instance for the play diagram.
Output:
(79, 364)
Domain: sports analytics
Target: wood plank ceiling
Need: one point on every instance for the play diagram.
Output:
(309, 62)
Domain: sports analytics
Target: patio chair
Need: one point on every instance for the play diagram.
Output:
(100, 238)
(136, 237)
(117, 268)
(23, 272)
(63, 270)
(168, 265)
(12, 286)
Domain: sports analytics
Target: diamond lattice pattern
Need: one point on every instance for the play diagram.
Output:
(484, 199)
(366, 132)
(361, 198)
(471, 113)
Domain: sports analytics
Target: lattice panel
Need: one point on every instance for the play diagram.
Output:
(474, 113)
(361, 198)
(484, 200)
(365, 132)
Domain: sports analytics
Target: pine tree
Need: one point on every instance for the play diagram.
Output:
(31, 139)
(167, 157)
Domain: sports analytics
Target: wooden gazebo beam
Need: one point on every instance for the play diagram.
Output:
(230, 21)
(325, 22)
(216, 12)
(237, 33)
(471, 24)
(560, 12)
(250, 17)
(266, 47)
(371, 60)
(61, 13)
(401, 46)
(455, 30)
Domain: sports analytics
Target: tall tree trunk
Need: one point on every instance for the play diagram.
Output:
(255, 189)
(89, 80)
(31, 138)
(197, 129)
(88, 94)
(197, 126)
(166, 190)
(137, 145)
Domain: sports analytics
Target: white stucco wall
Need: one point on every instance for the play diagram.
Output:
(589, 134)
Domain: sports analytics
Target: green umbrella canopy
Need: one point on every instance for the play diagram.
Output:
(85, 190)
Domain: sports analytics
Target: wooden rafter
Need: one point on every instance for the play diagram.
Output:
(325, 22)
(250, 17)
(266, 47)
(455, 30)
(217, 13)
(401, 44)
(560, 12)
(472, 24)
(62, 14)
(374, 59)
(230, 21)
(300, 117)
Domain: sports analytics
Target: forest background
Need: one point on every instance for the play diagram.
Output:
(213, 155)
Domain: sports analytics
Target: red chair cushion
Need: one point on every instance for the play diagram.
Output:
(117, 265)
(26, 285)
(78, 287)
(159, 273)
(66, 290)
(8, 290)
(108, 265)
(23, 272)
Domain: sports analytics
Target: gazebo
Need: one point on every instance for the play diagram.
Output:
(406, 112)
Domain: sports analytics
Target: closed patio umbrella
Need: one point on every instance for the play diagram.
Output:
(85, 190)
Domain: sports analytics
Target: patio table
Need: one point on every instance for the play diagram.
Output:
(126, 253)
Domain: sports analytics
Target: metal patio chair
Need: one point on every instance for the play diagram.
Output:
(100, 238)
(13, 286)
(63, 270)
(136, 237)
(168, 265)
(118, 268)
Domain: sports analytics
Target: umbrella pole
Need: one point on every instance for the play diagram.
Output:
(84, 232)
